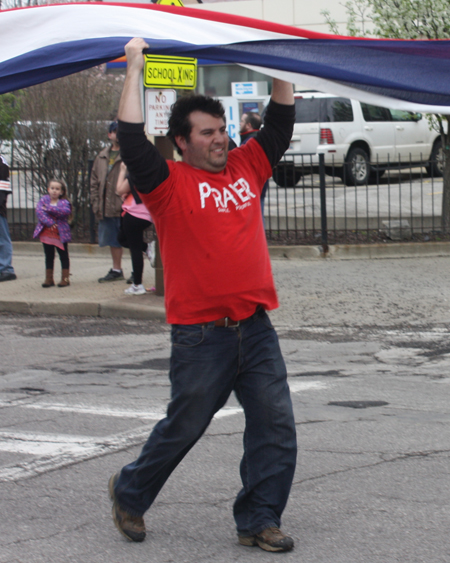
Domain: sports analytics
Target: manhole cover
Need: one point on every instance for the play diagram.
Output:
(358, 404)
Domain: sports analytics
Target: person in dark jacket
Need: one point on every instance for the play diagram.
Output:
(6, 269)
(106, 204)
(249, 126)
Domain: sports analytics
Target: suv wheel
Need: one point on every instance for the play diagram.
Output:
(286, 176)
(357, 168)
(435, 167)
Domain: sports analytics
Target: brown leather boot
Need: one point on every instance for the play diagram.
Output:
(64, 279)
(49, 281)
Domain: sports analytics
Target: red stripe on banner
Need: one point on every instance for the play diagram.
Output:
(231, 19)
(209, 15)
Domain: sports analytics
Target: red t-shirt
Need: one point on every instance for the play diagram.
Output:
(213, 245)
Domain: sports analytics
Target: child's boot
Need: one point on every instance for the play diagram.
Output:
(64, 279)
(49, 281)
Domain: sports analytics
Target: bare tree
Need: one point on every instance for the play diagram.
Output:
(63, 125)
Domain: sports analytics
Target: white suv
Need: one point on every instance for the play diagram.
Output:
(358, 140)
(32, 140)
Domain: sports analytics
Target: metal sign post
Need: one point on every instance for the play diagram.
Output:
(161, 77)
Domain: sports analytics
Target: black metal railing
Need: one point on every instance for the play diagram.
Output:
(308, 202)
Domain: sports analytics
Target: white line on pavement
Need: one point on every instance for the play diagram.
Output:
(105, 411)
(295, 386)
(55, 451)
(71, 449)
(88, 409)
(298, 386)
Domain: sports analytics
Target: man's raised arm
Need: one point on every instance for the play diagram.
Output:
(147, 168)
(130, 106)
(282, 92)
(279, 120)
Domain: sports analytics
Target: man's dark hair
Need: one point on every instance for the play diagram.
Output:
(254, 119)
(179, 122)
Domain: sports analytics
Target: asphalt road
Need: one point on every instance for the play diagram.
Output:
(366, 346)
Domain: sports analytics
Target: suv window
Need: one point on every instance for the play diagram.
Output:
(22, 132)
(307, 110)
(314, 110)
(337, 109)
(375, 113)
(402, 115)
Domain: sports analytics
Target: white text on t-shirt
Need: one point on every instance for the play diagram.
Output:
(237, 193)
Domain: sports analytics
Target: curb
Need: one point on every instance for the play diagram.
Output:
(85, 309)
(362, 251)
(36, 308)
(336, 251)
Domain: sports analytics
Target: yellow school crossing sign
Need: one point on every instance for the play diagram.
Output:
(170, 2)
(170, 72)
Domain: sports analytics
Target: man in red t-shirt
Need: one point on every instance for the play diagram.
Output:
(218, 285)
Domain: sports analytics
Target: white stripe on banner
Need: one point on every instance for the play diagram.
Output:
(39, 28)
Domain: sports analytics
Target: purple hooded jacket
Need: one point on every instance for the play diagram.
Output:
(48, 215)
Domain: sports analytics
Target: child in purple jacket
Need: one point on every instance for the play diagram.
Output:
(53, 230)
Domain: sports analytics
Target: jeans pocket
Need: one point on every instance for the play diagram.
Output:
(187, 336)
(263, 317)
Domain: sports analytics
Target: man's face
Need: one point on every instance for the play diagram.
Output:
(243, 125)
(207, 147)
(113, 138)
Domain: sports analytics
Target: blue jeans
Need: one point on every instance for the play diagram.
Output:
(207, 364)
(108, 231)
(5, 248)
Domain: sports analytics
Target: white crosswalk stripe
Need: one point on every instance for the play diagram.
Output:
(62, 451)
(54, 451)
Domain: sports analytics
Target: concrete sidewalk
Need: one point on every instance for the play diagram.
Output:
(86, 297)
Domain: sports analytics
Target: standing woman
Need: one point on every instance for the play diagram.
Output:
(135, 219)
(53, 230)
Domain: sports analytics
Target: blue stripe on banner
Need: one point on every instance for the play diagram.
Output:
(55, 61)
(413, 71)
(405, 72)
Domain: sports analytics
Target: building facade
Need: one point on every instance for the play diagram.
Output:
(216, 80)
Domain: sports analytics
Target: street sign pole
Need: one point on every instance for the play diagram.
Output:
(161, 78)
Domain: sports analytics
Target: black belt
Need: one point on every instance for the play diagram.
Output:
(227, 322)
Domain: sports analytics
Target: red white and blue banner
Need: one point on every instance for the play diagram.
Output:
(46, 42)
